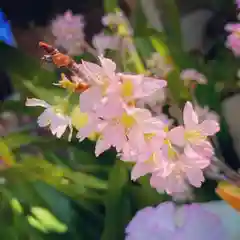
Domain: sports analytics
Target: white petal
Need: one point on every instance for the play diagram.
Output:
(101, 146)
(190, 118)
(32, 102)
(45, 118)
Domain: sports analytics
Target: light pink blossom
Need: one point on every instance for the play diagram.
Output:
(68, 29)
(179, 170)
(137, 86)
(233, 40)
(52, 117)
(104, 81)
(192, 132)
(205, 114)
(193, 75)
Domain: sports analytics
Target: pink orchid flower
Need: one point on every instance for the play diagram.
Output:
(233, 40)
(193, 75)
(137, 86)
(192, 132)
(179, 170)
(68, 29)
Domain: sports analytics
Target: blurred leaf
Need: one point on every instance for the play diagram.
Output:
(159, 46)
(16, 140)
(110, 5)
(117, 204)
(43, 93)
(47, 220)
(144, 47)
(138, 20)
(74, 184)
(176, 87)
(16, 206)
(171, 21)
(58, 203)
(16, 62)
(144, 195)
(5, 153)
(36, 224)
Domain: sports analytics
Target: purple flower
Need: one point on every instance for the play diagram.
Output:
(167, 222)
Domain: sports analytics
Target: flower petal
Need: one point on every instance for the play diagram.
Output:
(140, 169)
(190, 118)
(209, 127)
(200, 224)
(32, 102)
(89, 99)
(45, 118)
(101, 146)
(109, 67)
(176, 136)
(195, 176)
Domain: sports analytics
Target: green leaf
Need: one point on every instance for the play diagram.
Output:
(138, 20)
(5, 154)
(47, 220)
(171, 21)
(74, 184)
(117, 203)
(176, 87)
(110, 5)
(159, 46)
(48, 95)
(16, 140)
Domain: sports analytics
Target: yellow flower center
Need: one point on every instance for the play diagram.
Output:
(152, 159)
(127, 88)
(172, 154)
(149, 136)
(193, 135)
(127, 121)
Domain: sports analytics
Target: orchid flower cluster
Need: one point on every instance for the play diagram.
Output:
(174, 156)
(124, 111)
(233, 40)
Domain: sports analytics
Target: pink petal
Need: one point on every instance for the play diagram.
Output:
(92, 71)
(109, 67)
(195, 176)
(110, 108)
(136, 139)
(90, 98)
(101, 146)
(190, 118)
(115, 134)
(153, 125)
(151, 85)
(209, 127)
(140, 169)
(176, 136)
(204, 149)
(193, 159)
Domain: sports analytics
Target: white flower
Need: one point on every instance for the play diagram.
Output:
(159, 65)
(51, 117)
(68, 29)
(102, 42)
